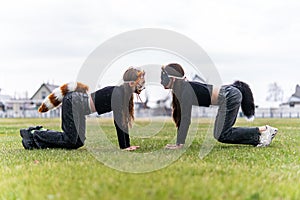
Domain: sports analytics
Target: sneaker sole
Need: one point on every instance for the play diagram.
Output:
(26, 146)
(23, 133)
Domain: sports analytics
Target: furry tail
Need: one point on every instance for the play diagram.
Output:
(55, 98)
(247, 104)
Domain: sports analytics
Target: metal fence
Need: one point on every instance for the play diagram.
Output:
(140, 113)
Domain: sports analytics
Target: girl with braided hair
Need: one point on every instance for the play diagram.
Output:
(77, 103)
(229, 98)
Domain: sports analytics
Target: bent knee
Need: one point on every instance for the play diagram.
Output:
(74, 146)
(220, 137)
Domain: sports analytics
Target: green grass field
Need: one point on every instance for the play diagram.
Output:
(227, 172)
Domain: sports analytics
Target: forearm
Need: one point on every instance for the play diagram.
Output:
(182, 130)
(123, 136)
(185, 120)
(122, 129)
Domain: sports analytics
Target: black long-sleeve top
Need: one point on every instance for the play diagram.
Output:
(189, 94)
(109, 99)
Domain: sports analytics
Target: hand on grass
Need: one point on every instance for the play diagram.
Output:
(132, 148)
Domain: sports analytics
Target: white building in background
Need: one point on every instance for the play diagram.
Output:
(3, 101)
(289, 109)
(44, 90)
(28, 107)
(294, 100)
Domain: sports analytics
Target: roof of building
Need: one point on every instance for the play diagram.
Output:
(297, 92)
(49, 87)
(295, 98)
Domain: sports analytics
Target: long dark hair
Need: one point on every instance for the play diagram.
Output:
(176, 70)
(131, 74)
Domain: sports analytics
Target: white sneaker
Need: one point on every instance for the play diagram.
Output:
(267, 136)
(174, 146)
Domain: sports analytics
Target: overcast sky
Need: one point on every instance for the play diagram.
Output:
(48, 41)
